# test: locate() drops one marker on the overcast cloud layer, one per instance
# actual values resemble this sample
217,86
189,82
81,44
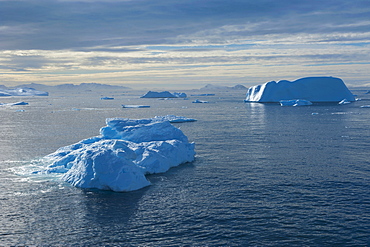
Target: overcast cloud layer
183,43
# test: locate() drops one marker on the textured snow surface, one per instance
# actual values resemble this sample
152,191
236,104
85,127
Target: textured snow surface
122,155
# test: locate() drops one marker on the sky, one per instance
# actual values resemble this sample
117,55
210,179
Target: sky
183,43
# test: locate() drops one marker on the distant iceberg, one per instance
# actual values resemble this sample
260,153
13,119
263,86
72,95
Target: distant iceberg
16,103
22,92
135,106
313,89
120,157
199,101
164,94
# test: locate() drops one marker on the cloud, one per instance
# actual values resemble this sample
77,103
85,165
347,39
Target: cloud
165,37
76,24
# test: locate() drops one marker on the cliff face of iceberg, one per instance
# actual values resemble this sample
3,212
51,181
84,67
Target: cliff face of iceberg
313,89
122,155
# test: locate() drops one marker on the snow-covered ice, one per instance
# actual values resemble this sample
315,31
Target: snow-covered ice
344,102
179,95
314,89
173,119
164,94
120,157
22,92
16,103
199,101
297,102
135,106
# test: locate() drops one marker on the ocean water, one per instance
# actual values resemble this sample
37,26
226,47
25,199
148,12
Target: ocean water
264,175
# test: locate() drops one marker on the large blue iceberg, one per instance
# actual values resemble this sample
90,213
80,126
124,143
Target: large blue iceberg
313,89
120,157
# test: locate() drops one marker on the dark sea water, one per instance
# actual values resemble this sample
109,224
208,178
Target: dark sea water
264,175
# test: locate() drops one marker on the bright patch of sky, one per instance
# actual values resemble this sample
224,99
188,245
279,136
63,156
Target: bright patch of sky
187,43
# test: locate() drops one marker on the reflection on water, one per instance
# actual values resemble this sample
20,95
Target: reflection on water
263,175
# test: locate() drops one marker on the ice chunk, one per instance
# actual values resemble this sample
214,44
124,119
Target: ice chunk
16,103
122,155
199,101
314,89
22,92
344,102
107,98
173,119
135,106
296,102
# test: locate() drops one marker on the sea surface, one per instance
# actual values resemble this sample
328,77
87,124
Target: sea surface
264,175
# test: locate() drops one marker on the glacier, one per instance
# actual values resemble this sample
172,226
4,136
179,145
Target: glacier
312,89
125,151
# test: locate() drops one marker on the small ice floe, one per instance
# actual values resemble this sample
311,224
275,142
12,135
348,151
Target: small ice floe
16,103
295,102
173,119
199,101
107,98
365,106
135,106
344,102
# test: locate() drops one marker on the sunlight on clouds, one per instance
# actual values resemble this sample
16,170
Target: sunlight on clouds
271,57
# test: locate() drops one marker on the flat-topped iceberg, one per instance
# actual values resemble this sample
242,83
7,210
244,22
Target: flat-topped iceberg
164,94
313,89
120,157
25,91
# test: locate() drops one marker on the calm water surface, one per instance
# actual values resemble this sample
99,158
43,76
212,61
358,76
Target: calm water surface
264,175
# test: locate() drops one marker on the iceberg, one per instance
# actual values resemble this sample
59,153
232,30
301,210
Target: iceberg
164,94
313,89
199,101
16,103
180,95
173,119
22,92
135,106
107,98
119,158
